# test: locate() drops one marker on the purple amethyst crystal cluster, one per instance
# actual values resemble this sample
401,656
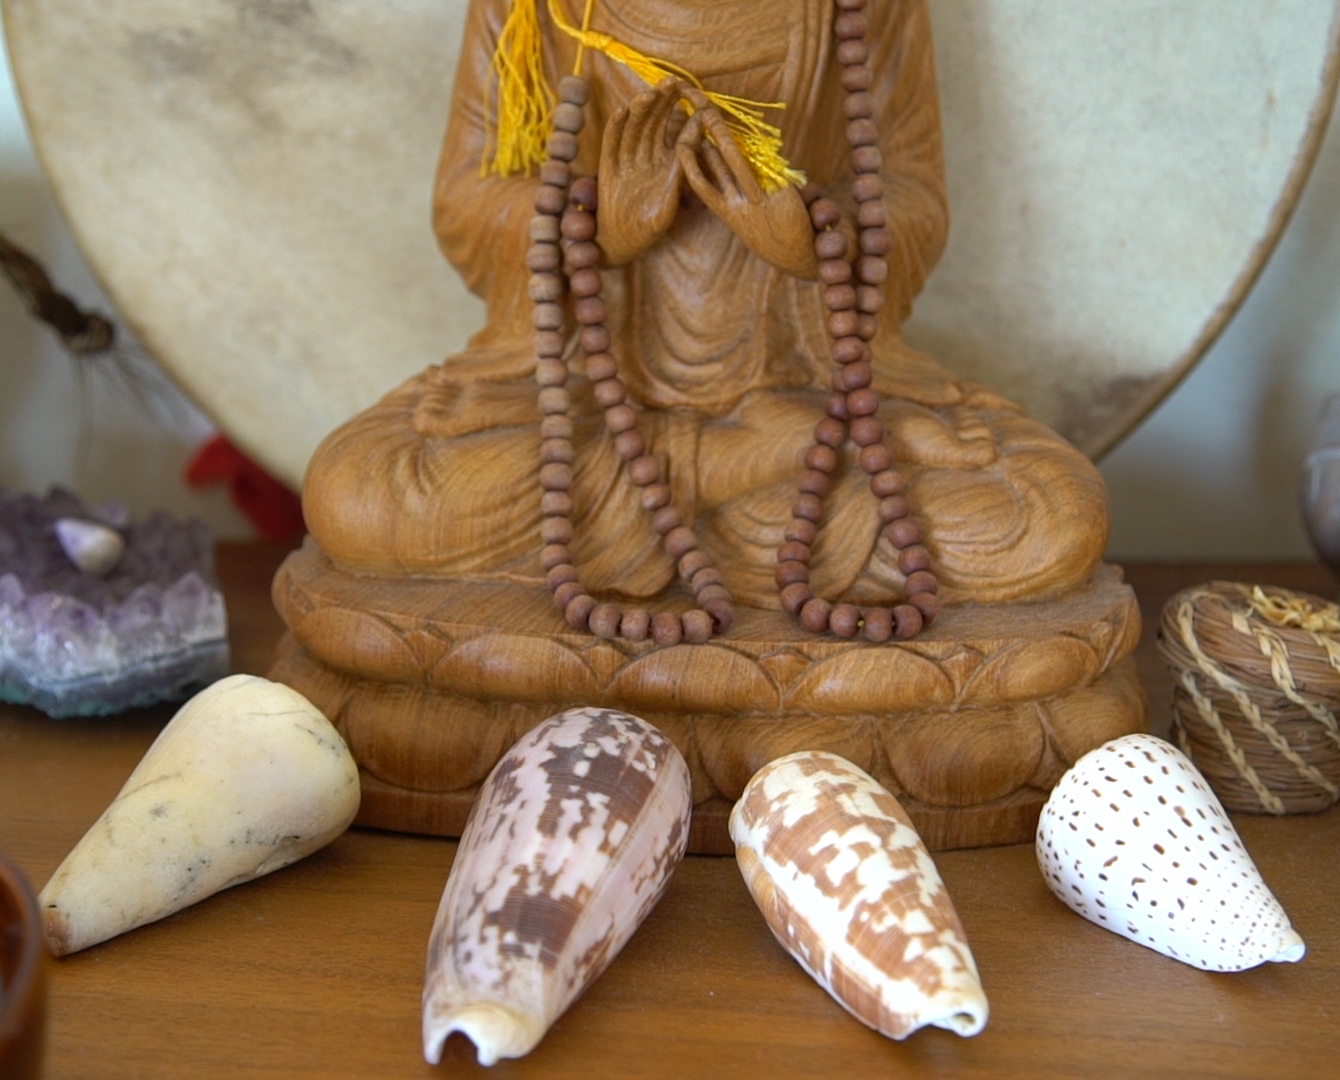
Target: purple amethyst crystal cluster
151,629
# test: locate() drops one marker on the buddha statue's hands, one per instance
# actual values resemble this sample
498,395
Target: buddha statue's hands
640,174
775,226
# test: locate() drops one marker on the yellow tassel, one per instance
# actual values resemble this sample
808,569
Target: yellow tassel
525,102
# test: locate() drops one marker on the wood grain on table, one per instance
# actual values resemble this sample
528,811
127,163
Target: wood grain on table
316,970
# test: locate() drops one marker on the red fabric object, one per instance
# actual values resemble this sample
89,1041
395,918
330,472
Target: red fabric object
273,508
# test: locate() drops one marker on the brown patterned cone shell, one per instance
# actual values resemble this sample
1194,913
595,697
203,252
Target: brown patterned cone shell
570,844
849,890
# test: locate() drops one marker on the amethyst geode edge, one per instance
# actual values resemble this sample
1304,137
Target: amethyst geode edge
152,629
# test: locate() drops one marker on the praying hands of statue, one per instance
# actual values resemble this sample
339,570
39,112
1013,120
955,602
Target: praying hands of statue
775,225
640,175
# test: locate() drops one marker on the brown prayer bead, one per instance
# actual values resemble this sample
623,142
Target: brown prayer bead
921,582
578,225
594,339
830,432
550,343
605,619
636,622
552,555
928,604
578,610
655,496
620,418
872,214
824,213
554,399
908,619
800,529
666,518
600,366
644,470
914,558
581,255
609,392
853,377
794,551
569,591
693,561
568,117
878,624
849,52
550,199
831,244
845,620
585,192
556,530
630,444
679,541
876,458
855,78
862,133
547,316
589,310
869,298
666,628
556,504
562,145
555,172
559,450
834,271
709,575
866,431
544,227
887,482
843,323
814,482
557,426
697,626
560,575
574,89
862,402
836,406
866,159
586,282
849,350
543,257
851,25
814,615
808,508
556,476
836,297
823,458
892,507
549,286
859,106
903,533
794,597
551,372
788,573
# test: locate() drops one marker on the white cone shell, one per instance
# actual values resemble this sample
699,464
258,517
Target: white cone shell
246,778
571,841
1133,839
93,547
849,890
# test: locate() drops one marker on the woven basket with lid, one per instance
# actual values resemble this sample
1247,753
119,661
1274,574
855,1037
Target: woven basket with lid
1257,693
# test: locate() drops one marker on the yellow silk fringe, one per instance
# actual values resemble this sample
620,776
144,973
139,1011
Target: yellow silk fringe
1295,611
526,103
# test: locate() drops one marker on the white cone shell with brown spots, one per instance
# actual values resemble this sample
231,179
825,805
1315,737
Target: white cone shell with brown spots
849,889
1133,839
571,842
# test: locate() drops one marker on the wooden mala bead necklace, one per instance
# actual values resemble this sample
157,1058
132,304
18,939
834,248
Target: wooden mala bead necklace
563,238
562,235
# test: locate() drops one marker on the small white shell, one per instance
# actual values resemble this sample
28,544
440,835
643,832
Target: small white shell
1133,839
571,842
245,779
93,547
849,889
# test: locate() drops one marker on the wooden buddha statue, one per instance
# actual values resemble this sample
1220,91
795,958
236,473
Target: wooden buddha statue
747,334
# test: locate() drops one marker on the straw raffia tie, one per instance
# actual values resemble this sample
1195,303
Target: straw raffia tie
1320,624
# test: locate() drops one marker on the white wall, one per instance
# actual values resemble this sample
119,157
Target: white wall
1211,474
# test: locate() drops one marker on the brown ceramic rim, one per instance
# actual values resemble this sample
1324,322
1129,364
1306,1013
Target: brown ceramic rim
16,990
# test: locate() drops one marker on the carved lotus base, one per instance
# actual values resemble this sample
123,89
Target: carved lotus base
970,725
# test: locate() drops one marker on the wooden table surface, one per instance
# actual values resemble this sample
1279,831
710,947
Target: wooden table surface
316,970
